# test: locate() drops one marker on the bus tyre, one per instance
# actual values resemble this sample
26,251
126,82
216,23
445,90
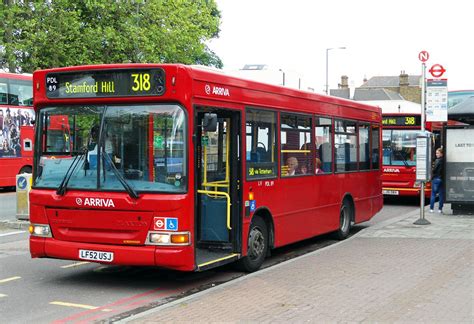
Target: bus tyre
344,221
257,246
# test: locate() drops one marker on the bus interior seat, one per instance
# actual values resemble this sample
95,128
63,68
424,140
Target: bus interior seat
386,155
325,157
262,154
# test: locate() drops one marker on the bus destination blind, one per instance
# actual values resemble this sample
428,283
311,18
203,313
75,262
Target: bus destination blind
106,83
401,120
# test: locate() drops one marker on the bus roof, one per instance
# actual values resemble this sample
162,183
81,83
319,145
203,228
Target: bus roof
220,78
22,76
216,77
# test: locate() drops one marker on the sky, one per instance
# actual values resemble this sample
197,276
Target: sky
380,37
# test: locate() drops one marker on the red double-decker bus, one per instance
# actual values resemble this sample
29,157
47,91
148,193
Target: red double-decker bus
16,126
184,168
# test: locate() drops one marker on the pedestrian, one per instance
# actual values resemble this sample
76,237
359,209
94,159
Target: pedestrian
437,181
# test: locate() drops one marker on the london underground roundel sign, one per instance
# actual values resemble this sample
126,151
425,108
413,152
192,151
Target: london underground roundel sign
437,70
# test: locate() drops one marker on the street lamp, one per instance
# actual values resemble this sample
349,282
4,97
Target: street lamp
283,75
327,66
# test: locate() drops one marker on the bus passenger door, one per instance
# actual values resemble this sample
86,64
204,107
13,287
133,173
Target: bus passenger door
218,220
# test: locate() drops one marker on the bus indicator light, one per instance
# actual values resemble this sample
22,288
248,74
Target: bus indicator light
180,238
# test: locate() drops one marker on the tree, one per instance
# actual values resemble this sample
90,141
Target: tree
54,33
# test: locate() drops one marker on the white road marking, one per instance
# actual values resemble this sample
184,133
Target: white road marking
78,306
3,295
77,264
9,279
12,233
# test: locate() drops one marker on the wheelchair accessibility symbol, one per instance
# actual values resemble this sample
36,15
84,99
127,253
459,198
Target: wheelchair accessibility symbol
171,224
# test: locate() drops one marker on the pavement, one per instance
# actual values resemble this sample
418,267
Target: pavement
393,272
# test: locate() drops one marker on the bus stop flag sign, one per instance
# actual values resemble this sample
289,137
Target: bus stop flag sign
436,100
437,95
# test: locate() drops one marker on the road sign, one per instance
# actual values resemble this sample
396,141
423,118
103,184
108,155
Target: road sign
423,56
437,70
21,182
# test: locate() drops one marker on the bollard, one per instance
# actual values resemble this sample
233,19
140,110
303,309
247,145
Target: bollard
23,187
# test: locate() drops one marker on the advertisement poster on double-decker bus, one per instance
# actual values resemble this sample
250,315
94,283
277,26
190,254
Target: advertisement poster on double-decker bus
460,165
12,119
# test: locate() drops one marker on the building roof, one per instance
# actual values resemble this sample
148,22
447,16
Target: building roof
361,94
396,106
341,93
391,81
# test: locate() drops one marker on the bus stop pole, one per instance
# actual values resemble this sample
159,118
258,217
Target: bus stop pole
422,220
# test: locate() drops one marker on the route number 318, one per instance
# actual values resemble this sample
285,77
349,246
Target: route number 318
409,120
141,82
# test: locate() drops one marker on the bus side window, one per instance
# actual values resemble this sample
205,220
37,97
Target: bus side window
375,148
296,147
323,138
364,154
260,143
3,94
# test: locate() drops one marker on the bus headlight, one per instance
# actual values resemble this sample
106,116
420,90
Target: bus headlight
40,230
162,238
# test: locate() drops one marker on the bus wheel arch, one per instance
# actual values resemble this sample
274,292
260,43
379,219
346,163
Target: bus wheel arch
26,169
266,215
346,217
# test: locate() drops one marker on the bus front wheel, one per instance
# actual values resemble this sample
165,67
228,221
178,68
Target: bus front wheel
344,220
257,246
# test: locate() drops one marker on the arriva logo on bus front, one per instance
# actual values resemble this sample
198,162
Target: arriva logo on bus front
390,170
95,202
219,91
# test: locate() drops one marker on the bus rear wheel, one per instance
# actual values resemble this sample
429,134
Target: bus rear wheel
257,246
345,216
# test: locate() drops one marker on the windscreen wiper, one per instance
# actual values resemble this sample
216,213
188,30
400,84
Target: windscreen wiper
404,160
131,192
101,154
70,171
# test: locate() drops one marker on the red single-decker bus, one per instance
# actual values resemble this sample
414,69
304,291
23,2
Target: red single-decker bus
185,168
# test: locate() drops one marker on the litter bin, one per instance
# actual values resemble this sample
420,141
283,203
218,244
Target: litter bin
23,187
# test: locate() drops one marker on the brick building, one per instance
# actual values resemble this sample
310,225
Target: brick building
402,87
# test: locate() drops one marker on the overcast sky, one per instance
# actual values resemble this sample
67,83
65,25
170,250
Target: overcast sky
381,38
